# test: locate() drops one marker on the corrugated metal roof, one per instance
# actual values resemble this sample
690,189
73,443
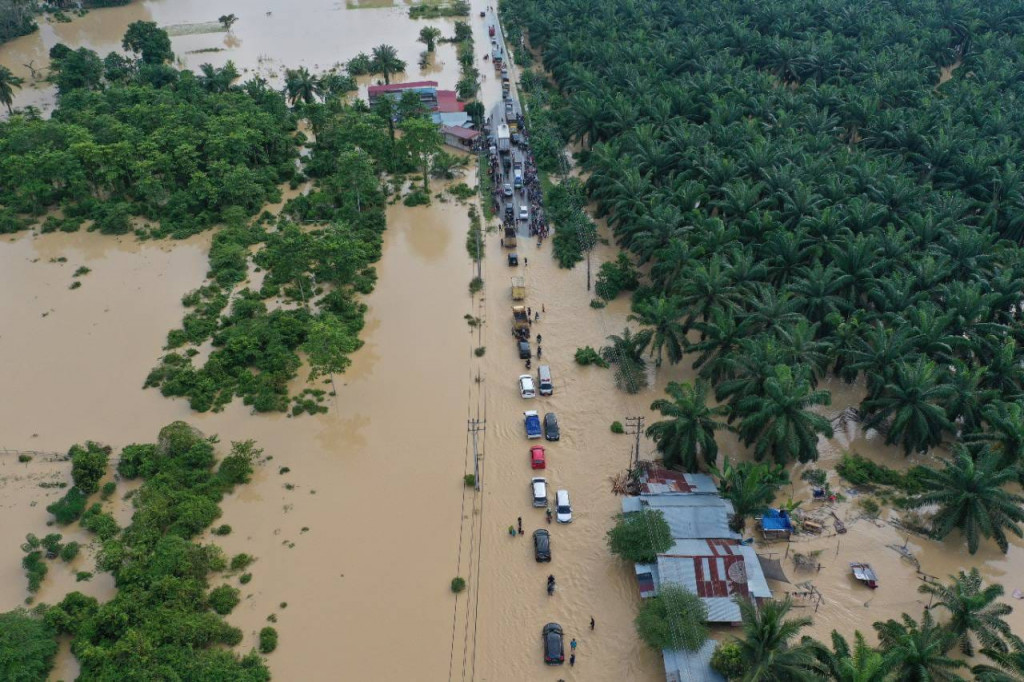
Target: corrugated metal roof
399,87
722,610
757,584
691,666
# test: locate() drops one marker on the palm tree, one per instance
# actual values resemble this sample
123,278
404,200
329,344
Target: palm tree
1005,432
8,82
750,487
767,648
626,353
301,85
779,421
662,316
913,401
861,663
386,62
917,653
970,495
429,36
1011,666
974,612
690,433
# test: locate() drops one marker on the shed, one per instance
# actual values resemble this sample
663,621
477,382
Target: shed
460,138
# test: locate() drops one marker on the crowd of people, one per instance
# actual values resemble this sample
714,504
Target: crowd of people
500,171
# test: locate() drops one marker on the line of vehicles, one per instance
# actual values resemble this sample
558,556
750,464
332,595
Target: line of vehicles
552,634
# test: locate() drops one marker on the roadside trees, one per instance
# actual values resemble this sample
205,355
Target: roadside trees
640,536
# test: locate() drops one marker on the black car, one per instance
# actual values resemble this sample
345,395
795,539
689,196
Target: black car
541,545
524,350
554,649
513,260
551,431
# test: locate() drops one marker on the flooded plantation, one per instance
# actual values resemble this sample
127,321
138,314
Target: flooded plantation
359,519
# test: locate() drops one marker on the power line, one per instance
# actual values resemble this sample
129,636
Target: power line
475,426
635,427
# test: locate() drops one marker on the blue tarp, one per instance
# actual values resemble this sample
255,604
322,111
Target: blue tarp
775,519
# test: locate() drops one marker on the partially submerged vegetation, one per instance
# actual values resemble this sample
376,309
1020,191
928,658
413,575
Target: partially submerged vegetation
806,200
162,606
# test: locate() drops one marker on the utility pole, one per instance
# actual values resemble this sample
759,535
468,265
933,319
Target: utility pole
475,426
635,427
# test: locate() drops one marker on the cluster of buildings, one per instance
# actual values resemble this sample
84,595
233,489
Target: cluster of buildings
447,111
707,558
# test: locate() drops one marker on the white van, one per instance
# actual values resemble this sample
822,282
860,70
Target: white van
563,508
544,380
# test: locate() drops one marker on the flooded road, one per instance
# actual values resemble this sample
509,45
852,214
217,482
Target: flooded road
361,537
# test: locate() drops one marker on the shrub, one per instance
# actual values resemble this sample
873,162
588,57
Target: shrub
869,506
475,285
597,303
99,522
816,477
83,576
245,578
223,599
223,529
416,198
240,561
35,569
617,427
108,489
588,356
479,352
616,277
268,640
69,508
458,584
469,480
52,544
70,551
24,459
728,662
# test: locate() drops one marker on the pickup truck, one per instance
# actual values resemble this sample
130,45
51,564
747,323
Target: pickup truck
531,420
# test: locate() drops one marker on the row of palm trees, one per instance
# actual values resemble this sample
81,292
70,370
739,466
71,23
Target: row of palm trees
909,650
808,202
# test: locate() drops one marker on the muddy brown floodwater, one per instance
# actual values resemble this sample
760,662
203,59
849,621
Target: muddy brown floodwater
362,537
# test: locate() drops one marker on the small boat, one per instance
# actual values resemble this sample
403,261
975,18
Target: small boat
864,573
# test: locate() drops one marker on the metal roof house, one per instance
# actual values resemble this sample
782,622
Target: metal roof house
460,138
427,90
691,666
689,516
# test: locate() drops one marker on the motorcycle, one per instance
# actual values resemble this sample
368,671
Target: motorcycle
551,585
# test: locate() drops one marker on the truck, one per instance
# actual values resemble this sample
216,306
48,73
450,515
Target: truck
513,125
509,240
531,420
518,288
504,138
490,30
520,320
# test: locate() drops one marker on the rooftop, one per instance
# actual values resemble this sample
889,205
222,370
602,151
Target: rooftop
657,481
399,87
448,101
461,133
691,666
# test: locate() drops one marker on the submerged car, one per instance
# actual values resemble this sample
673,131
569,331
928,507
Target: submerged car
541,545
554,648
551,430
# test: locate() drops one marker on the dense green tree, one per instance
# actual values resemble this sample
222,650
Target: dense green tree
911,403
1009,666
970,495
640,536
148,41
662,315
27,647
302,86
423,141
688,435
974,612
674,619
88,466
916,652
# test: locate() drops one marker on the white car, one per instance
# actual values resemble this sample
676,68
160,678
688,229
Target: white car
540,491
507,189
524,212
526,387
563,508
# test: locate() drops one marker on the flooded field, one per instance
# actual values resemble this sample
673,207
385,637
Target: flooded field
361,537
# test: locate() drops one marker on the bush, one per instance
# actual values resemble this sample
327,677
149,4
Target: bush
617,427
240,561
615,277
588,356
469,480
728,662
675,619
88,465
869,506
70,551
24,459
458,585
816,477
268,640
83,576
27,646
475,285
245,578
479,352
223,529
640,536
69,508
35,568
52,544
417,197
99,522
109,488
223,599
861,471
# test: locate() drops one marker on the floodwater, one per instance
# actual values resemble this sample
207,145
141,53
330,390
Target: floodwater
357,543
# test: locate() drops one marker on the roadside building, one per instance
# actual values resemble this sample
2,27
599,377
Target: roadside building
427,90
460,138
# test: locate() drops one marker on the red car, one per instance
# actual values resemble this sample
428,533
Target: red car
537,457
